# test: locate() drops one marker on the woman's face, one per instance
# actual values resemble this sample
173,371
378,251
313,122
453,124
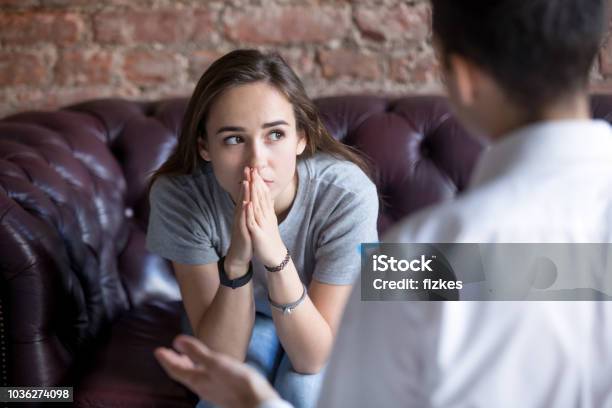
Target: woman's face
253,126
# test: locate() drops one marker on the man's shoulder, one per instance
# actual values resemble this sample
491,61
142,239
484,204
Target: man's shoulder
439,223
473,217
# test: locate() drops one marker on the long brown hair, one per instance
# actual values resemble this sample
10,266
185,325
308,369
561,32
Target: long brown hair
243,67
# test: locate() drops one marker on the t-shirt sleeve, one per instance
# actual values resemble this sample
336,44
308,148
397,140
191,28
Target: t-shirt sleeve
178,229
351,223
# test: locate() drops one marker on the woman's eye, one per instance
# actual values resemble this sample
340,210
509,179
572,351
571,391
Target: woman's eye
232,140
276,135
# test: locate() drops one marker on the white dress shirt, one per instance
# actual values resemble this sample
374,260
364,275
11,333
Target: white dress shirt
548,182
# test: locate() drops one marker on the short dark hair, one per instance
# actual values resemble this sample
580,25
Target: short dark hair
537,50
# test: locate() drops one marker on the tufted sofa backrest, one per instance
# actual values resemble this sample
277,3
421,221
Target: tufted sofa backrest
73,208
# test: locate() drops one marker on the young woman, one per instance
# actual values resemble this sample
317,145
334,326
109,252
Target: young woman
262,212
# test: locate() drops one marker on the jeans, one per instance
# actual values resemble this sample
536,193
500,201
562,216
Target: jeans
267,356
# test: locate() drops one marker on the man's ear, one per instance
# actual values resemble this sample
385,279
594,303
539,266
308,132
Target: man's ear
302,141
202,149
466,79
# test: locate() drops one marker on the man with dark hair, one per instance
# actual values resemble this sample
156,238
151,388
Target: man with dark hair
537,52
516,72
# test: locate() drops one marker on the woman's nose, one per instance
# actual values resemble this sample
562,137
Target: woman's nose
257,156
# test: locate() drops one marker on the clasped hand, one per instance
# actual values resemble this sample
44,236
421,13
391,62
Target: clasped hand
255,226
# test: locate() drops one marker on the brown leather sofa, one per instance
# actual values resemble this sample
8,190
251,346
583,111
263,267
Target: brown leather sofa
82,303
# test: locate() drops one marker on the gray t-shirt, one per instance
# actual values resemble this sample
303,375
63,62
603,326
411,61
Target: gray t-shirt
335,210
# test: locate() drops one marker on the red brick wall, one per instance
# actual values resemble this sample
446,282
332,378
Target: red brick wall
55,52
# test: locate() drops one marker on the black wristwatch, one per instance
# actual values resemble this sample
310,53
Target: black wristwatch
233,283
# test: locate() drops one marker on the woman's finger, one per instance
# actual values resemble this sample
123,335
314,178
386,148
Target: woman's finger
267,198
242,221
247,191
257,204
250,220
261,193
261,186
247,182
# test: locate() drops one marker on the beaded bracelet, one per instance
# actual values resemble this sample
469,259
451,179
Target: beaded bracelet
280,266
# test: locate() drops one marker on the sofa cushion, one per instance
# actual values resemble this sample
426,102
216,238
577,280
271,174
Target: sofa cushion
123,371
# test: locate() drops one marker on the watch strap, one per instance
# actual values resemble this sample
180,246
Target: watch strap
233,283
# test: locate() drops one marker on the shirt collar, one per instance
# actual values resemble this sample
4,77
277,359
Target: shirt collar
545,145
